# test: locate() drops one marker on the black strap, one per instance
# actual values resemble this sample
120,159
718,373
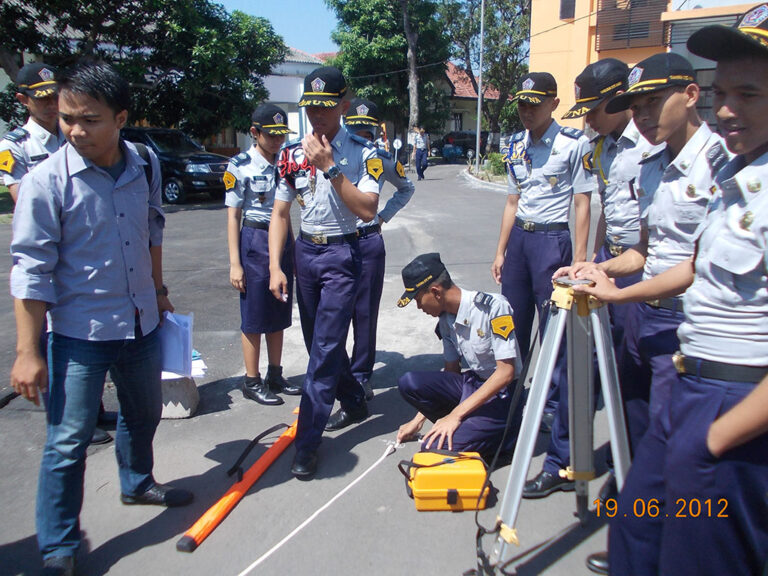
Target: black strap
236,466
144,153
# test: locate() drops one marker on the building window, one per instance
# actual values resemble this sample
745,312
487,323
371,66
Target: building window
567,9
629,24
457,123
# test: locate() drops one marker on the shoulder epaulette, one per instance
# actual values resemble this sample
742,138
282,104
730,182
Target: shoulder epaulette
360,140
595,138
517,136
291,143
481,298
381,153
716,157
17,135
437,331
653,156
571,132
241,159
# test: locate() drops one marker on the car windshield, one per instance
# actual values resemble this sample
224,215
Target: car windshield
176,142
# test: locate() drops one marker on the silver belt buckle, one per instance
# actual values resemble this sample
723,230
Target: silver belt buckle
615,249
319,239
529,226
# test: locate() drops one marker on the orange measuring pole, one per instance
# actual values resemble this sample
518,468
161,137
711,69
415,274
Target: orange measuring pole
208,522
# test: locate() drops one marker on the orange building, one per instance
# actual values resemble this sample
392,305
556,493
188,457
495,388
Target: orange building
567,35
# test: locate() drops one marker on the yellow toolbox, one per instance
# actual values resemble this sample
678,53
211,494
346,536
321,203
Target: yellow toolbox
443,480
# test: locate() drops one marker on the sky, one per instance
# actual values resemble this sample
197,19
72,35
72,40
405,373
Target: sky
310,32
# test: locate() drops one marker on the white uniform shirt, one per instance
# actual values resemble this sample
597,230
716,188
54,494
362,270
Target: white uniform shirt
322,209
251,185
674,195
726,308
24,148
481,332
547,173
617,166
394,173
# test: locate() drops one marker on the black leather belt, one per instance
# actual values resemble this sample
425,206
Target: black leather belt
364,231
529,226
256,224
673,304
323,239
718,370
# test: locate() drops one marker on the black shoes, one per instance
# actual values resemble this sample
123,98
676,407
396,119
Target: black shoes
544,484
304,464
609,490
598,562
547,419
59,566
258,391
342,418
160,495
100,436
277,383
368,390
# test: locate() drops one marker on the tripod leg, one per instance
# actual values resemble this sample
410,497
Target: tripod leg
580,406
529,429
609,376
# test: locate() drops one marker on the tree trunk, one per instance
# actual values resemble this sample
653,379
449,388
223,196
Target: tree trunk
8,63
411,37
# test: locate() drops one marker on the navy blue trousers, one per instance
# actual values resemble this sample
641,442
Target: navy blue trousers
421,161
713,512
365,317
435,394
559,450
326,283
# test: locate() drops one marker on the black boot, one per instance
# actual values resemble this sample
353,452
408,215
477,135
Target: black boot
277,383
255,389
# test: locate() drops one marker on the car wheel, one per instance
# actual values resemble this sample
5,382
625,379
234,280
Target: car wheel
173,191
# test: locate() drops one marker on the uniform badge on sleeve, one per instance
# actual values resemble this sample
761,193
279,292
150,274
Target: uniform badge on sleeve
586,162
503,326
374,167
399,169
7,161
229,180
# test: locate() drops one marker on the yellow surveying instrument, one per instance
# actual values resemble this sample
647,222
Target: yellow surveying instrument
588,330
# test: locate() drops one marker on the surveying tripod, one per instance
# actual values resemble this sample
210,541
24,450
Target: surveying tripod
586,320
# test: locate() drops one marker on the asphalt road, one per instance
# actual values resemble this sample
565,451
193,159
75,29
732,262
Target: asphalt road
371,529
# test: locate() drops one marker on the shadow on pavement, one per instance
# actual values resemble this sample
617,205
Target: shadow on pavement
21,557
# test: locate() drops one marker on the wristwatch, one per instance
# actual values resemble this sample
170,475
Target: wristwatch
162,291
333,172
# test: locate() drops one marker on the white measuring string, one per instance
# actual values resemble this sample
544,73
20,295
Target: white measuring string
390,449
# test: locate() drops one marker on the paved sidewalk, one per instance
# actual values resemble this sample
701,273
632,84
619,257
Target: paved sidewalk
372,529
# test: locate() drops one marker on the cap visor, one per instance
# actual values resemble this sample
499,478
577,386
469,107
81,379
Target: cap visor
582,108
718,42
322,102
405,299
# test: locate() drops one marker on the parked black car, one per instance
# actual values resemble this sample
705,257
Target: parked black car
186,167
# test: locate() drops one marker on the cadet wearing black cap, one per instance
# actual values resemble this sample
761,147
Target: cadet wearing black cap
23,148
707,461
468,410
363,119
250,184
673,190
547,168
335,177
618,150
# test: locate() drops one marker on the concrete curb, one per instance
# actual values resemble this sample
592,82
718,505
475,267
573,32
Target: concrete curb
476,182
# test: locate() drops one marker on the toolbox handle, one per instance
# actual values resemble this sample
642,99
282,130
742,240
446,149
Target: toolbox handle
405,465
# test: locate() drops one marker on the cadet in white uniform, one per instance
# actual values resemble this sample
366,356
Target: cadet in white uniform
469,410
250,194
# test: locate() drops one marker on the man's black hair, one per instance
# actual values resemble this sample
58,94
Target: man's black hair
98,80
444,280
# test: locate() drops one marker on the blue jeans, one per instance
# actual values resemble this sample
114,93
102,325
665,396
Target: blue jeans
77,369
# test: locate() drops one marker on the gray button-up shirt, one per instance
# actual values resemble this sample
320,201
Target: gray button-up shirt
726,308
617,166
481,333
22,150
81,243
674,194
547,173
253,187
322,209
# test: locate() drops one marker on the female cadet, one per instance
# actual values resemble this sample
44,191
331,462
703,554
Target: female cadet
250,184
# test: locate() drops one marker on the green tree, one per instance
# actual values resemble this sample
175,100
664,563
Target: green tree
505,50
191,64
374,57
